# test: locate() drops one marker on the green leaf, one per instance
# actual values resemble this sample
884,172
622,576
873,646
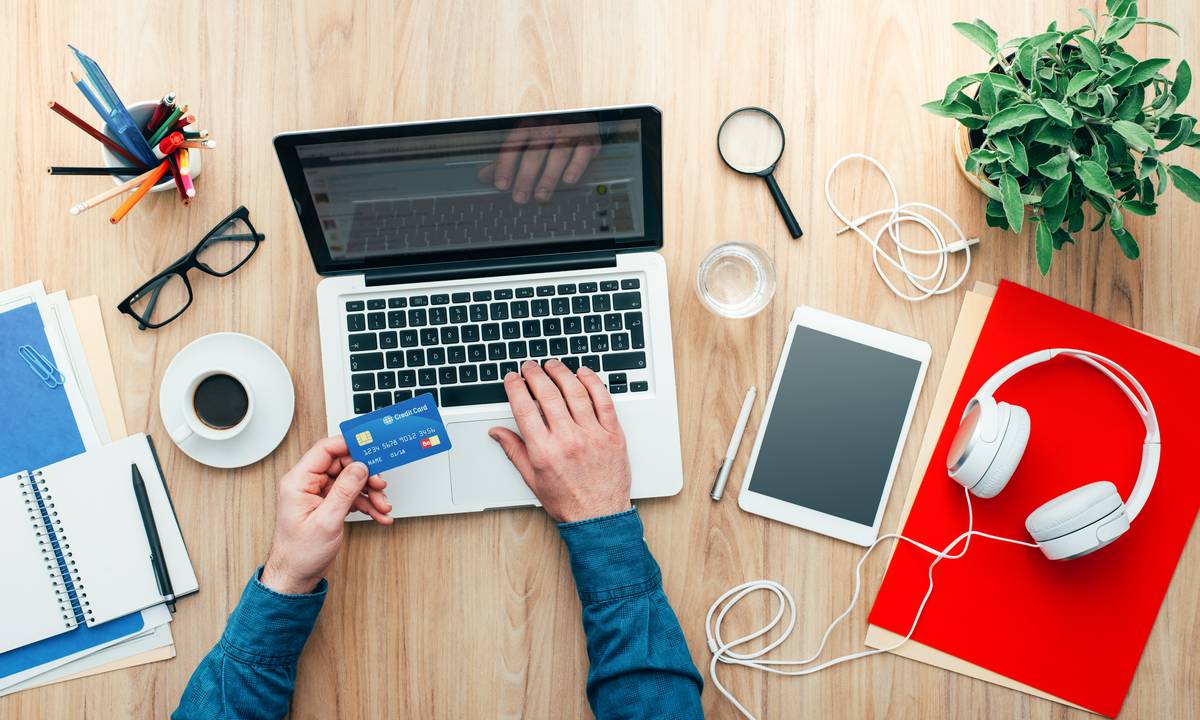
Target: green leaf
1095,177
954,110
1056,192
1089,52
1183,81
1142,72
1091,20
1184,179
1138,137
1146,166
1004,82
1054,134
1128,245
1053,216
1010,195
1116,220
1025,60
987,96
1061,114
1014,117
1020,159
984,40
1004,144
1080,81
1137,207
1056,167
1041,41
1062,237
1131,105
1185,130
1157,23
1119,29
1045,248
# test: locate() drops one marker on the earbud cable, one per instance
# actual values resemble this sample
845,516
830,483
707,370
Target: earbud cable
723,651
897,214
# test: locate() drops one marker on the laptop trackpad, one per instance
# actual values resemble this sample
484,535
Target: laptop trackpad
480,473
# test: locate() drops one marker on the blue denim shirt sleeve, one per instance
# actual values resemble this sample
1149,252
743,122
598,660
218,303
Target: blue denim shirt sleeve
251,671
640,664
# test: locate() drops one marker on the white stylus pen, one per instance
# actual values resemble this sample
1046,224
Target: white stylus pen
734,442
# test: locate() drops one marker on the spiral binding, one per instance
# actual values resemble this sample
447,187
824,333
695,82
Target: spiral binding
38,500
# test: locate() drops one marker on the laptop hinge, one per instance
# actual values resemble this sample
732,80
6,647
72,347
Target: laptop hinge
433,272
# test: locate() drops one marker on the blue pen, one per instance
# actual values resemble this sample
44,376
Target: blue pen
118,118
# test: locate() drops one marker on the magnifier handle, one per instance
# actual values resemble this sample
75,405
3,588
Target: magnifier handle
784,209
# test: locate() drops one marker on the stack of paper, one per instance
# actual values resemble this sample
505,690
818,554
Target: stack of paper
74,332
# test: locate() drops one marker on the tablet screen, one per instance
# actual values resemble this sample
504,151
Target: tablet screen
835,424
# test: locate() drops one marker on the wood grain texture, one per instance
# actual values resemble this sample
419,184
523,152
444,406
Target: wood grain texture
476,616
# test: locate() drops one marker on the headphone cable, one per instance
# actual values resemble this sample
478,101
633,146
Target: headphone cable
723,651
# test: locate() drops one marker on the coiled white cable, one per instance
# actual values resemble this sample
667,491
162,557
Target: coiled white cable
898,214
723,650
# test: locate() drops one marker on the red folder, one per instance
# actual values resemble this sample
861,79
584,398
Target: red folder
1074,628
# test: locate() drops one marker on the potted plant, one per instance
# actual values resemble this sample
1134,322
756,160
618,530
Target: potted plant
1066,120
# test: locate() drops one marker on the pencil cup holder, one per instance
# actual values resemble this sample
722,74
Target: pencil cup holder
141,113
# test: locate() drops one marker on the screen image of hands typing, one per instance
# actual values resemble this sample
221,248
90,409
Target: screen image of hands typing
648,360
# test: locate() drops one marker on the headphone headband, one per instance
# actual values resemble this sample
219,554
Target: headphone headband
1133,391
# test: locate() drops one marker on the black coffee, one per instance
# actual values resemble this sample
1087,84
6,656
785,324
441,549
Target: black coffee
220,401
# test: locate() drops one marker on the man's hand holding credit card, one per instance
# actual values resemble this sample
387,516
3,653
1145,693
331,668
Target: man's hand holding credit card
397,435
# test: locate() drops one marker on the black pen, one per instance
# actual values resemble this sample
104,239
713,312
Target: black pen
157,561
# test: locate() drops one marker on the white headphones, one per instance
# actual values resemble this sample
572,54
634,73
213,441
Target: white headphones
991,439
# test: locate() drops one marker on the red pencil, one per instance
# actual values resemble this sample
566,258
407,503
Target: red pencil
178,180
104,139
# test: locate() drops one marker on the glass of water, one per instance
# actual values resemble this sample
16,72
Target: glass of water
736,280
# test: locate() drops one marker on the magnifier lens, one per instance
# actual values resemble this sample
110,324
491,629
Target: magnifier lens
750,141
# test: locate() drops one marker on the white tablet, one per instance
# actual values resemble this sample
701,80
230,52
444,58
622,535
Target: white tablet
834,426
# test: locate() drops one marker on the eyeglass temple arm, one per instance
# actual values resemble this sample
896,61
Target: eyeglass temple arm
150,306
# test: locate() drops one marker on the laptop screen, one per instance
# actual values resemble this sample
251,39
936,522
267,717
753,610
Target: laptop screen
531,184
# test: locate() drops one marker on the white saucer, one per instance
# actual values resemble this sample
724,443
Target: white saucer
269,381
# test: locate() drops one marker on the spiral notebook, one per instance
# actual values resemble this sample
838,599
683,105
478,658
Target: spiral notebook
73,546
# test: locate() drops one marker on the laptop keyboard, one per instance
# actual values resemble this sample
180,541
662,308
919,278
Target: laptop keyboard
459,345
381,226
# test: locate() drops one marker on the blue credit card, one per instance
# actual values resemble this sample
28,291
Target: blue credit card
397,435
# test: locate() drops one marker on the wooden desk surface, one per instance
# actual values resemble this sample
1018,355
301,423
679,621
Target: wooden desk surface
476,616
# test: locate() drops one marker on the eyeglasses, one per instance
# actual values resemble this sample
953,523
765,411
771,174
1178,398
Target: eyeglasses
223,250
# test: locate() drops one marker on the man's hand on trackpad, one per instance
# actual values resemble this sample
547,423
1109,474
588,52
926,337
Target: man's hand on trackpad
571,452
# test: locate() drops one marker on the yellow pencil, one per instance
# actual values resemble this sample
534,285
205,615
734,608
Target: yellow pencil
111,193
144,188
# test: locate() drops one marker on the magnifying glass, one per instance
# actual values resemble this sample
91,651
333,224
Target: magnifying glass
750,141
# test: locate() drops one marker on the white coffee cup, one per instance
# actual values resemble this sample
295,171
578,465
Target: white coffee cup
194,425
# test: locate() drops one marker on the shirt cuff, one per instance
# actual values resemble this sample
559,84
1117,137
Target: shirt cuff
270,628
609,557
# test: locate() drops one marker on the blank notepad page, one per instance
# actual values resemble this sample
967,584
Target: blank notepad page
29,609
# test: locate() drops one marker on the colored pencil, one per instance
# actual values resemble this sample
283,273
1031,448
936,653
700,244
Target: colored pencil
89,96
185,120
152,180
73,170
195,135
104,139
185,172
200,144
166,125
112,192
178,178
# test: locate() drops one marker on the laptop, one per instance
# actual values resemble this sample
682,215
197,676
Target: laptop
441,277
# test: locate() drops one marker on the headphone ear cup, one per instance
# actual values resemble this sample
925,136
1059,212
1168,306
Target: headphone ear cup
1014,438
1079,521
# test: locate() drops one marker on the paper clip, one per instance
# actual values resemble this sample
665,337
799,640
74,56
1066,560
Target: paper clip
43,368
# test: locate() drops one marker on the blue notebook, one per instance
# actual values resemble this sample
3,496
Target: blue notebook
38,428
